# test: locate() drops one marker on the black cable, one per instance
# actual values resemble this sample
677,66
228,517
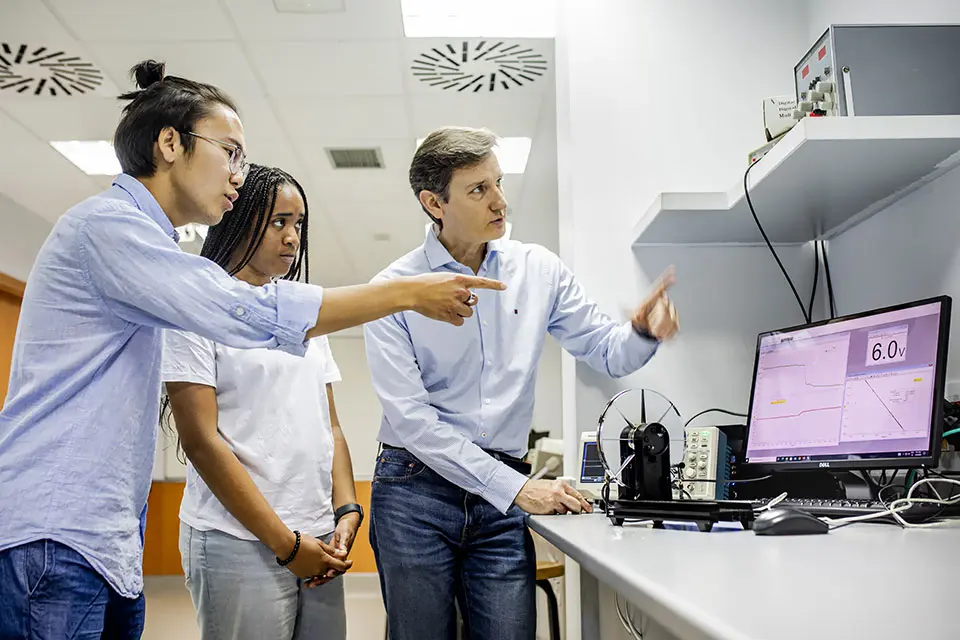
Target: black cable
946,473
706,411
746,192
816,278
871,485
826,272
680,466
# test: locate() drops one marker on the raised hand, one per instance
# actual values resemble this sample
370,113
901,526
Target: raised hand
656,315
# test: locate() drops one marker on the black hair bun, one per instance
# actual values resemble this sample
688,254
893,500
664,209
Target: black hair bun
148,72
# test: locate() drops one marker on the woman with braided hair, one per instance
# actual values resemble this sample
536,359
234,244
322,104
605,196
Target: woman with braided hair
268,467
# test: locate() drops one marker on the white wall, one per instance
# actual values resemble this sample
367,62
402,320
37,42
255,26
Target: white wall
534,215
665,95
23,235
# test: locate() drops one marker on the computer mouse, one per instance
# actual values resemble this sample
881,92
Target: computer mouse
784,521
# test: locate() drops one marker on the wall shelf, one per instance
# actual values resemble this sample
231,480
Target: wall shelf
825,176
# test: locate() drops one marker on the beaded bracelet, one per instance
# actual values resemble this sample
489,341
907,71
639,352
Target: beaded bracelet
293,554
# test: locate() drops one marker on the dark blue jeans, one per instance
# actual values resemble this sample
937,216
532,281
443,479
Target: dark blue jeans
434,543
49,592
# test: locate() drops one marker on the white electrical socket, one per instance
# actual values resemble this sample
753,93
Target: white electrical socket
953,390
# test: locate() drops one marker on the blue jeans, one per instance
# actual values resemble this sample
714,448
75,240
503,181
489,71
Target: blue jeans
434,542
49,592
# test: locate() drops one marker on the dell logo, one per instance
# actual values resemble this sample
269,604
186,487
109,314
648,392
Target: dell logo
824,465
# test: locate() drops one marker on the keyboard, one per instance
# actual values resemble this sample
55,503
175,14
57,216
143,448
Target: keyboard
847,508
824,508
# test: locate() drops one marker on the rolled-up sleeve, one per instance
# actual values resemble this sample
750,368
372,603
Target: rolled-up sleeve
407,409
592,336
144,278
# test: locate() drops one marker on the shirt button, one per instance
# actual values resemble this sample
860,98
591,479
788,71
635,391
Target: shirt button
487,401
483,435
489,363
485,323
239,312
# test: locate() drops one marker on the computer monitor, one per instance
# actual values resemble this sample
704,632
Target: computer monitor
861,392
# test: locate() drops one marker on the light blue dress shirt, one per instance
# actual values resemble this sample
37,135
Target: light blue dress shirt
449,392
79,427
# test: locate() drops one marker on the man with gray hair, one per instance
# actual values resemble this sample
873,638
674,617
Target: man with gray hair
450,493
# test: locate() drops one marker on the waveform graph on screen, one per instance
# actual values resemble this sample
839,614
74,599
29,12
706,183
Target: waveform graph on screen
798,399
891,405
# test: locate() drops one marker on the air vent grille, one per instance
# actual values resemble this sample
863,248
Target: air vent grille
42,71
355,158
483,66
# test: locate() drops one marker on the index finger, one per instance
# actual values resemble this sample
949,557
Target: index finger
584,505
571,503
339,565
476,282
666,280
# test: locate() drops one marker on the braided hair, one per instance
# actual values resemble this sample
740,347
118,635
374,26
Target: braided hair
247,223
248,220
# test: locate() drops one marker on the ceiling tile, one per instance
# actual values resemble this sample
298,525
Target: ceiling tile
267,143
329,68
329,263
505,115
219,63
91,118
370,256
309,121
144,20
258,20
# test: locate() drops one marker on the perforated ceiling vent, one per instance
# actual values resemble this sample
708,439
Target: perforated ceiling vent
355,158
484,66
42,71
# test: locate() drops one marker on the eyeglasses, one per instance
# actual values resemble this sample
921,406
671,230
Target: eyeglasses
238,158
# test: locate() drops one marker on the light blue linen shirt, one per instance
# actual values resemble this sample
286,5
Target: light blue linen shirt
79,427
449,392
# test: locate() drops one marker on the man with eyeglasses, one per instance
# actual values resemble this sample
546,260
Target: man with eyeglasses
78,430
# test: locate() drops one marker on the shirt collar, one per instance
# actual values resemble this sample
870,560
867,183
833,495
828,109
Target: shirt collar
142,199
438,256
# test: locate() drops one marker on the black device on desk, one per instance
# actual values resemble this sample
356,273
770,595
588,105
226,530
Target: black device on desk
781,521
860,392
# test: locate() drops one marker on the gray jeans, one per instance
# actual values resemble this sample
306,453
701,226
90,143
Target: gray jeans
241,593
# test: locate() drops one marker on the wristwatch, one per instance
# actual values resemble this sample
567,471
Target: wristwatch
345,509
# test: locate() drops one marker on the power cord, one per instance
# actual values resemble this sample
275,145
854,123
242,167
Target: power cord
746,192
816,277
903,504
829,278
627,620
706,411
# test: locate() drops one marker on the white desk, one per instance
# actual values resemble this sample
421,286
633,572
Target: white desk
864,581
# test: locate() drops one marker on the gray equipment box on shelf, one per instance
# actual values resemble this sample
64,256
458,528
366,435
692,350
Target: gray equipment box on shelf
881,70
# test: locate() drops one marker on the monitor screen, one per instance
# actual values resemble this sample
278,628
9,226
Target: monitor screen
863,391
591,470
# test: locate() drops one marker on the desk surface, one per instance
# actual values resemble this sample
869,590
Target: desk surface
870,581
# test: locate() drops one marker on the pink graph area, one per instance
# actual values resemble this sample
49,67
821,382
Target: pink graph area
799,393
888,406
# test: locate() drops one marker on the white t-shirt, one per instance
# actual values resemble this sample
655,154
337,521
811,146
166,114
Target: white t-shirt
273,413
